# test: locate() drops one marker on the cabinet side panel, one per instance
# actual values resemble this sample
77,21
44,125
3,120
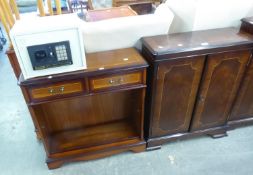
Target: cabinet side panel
150,91
14,62
218,88
177,85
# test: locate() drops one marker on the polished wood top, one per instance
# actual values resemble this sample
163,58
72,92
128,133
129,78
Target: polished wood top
98,63
197,41
114,12
114,59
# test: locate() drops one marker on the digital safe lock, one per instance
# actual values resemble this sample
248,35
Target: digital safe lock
48,47
50,55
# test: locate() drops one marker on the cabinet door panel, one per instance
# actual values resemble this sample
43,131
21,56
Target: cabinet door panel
243,107
220,82
176,88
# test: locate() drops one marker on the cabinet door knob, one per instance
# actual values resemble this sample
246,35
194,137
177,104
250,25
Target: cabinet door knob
201,99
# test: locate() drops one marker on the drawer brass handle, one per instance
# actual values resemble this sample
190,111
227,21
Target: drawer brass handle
51,91
61,89
111,81
117,82
121,80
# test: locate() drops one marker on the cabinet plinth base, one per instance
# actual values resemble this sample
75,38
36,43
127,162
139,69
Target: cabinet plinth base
54,163
156,143
218,134
240,123
153,148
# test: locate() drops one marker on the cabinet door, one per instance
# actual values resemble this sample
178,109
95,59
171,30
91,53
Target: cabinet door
176,87
221,79
243,107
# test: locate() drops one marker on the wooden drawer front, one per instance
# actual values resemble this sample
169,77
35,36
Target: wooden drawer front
116,80
54,90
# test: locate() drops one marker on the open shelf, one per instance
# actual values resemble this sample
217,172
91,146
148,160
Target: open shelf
92,136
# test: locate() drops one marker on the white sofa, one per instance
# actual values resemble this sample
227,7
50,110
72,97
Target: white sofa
191,15
125,32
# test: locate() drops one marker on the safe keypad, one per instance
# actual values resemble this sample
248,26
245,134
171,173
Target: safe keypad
61,52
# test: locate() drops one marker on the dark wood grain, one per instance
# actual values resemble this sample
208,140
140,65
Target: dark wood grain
243,107
241,113
219,85
171,113
197,42
157,142
177,84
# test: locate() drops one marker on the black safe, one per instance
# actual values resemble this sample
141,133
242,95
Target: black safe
50,55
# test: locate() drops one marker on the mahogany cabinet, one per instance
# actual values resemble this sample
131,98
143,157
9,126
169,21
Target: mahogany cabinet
91,113
194,78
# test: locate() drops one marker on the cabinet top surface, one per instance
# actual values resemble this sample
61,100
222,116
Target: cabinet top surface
114,59
196,40
99,63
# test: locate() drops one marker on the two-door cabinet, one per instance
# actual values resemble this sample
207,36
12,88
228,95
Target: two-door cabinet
194,78
91,113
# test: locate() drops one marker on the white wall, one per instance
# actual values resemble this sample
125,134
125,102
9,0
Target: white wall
193,15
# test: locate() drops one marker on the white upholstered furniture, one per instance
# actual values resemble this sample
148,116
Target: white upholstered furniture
192,15
125,32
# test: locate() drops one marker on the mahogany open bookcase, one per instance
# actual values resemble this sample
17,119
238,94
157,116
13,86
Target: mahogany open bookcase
90,113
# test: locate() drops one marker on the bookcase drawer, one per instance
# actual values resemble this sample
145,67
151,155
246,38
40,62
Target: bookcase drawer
56,90
116,80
